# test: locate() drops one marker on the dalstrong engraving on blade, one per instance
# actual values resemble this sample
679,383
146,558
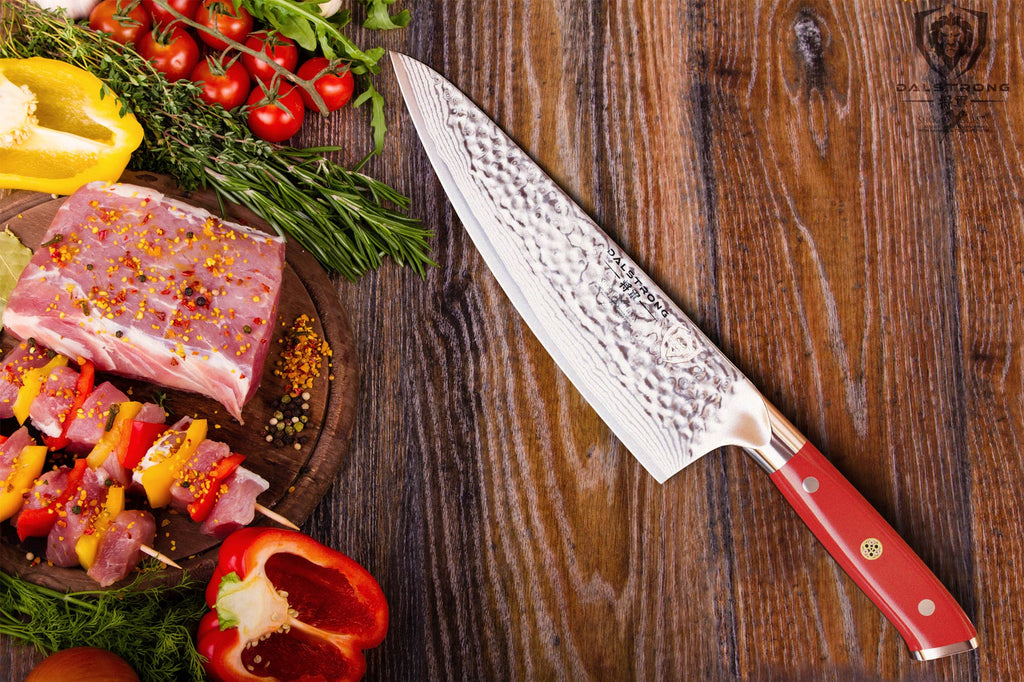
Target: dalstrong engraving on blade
664,389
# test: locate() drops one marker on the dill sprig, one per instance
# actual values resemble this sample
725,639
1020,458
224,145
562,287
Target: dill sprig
349,221
147,623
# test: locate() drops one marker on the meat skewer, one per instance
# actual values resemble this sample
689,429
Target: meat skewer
79,510
74,414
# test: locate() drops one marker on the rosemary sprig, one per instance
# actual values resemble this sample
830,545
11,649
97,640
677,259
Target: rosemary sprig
349,221
147,624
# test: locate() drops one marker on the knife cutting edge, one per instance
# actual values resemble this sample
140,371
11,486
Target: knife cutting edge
667,392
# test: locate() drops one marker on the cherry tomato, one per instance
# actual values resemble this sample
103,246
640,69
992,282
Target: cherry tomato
162,17
124,20
172,51
279,119
222,16
223,82
275,47
335,85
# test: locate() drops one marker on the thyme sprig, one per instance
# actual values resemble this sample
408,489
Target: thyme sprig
148,624
349,221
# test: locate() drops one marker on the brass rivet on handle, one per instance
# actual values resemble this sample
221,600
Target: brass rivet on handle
871,549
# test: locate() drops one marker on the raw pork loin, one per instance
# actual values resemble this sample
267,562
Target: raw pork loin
153,289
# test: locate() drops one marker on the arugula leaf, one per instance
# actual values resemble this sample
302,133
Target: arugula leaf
378,17
377,121
299,20
293,26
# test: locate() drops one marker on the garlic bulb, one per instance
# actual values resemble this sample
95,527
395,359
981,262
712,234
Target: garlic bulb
76,9
330,8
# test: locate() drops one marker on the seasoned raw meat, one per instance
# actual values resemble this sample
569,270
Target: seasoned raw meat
76,516
23,357
10,449
46,488
151,288
111,468
151,413
183,492
53,404
236,505
91,418
120,549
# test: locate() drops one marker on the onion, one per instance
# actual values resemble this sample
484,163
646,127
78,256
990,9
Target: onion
83,664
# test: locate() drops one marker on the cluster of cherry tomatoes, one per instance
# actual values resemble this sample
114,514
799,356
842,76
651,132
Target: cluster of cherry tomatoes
275,108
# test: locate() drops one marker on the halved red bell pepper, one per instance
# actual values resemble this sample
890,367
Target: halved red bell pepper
84,386
209,491
37,522
136,439
287,608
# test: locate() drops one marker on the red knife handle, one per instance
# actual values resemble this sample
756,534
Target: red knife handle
878,560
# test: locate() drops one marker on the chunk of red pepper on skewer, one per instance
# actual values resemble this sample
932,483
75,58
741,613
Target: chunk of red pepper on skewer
286,607
83,388
207,496
136,439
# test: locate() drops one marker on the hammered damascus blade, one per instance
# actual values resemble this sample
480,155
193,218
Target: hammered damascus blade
662,387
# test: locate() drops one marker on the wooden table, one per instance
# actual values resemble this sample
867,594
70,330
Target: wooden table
853,247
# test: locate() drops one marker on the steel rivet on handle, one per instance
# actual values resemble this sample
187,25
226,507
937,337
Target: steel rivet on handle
811,484
926,607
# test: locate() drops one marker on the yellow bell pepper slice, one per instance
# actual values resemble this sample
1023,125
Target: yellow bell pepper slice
110,438
89,544
158,478
28,465
56,132
32,384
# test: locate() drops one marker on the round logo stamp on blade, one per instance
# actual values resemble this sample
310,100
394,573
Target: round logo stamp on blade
679,345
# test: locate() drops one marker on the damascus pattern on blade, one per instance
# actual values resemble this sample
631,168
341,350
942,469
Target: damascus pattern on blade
636,357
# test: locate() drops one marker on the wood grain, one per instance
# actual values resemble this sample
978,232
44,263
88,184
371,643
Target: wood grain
759,160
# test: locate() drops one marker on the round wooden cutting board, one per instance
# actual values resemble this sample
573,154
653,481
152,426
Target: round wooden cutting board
298,478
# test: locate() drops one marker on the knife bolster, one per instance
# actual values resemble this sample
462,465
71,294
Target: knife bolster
786,441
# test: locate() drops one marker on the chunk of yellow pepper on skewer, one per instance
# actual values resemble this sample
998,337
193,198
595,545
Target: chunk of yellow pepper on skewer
28,465
32,384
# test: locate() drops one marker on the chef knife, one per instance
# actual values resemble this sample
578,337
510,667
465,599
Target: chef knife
664,389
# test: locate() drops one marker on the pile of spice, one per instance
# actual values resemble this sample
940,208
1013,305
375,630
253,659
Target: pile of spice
302,360
303,356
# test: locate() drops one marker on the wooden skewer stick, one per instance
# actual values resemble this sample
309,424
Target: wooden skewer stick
162,558
274,516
